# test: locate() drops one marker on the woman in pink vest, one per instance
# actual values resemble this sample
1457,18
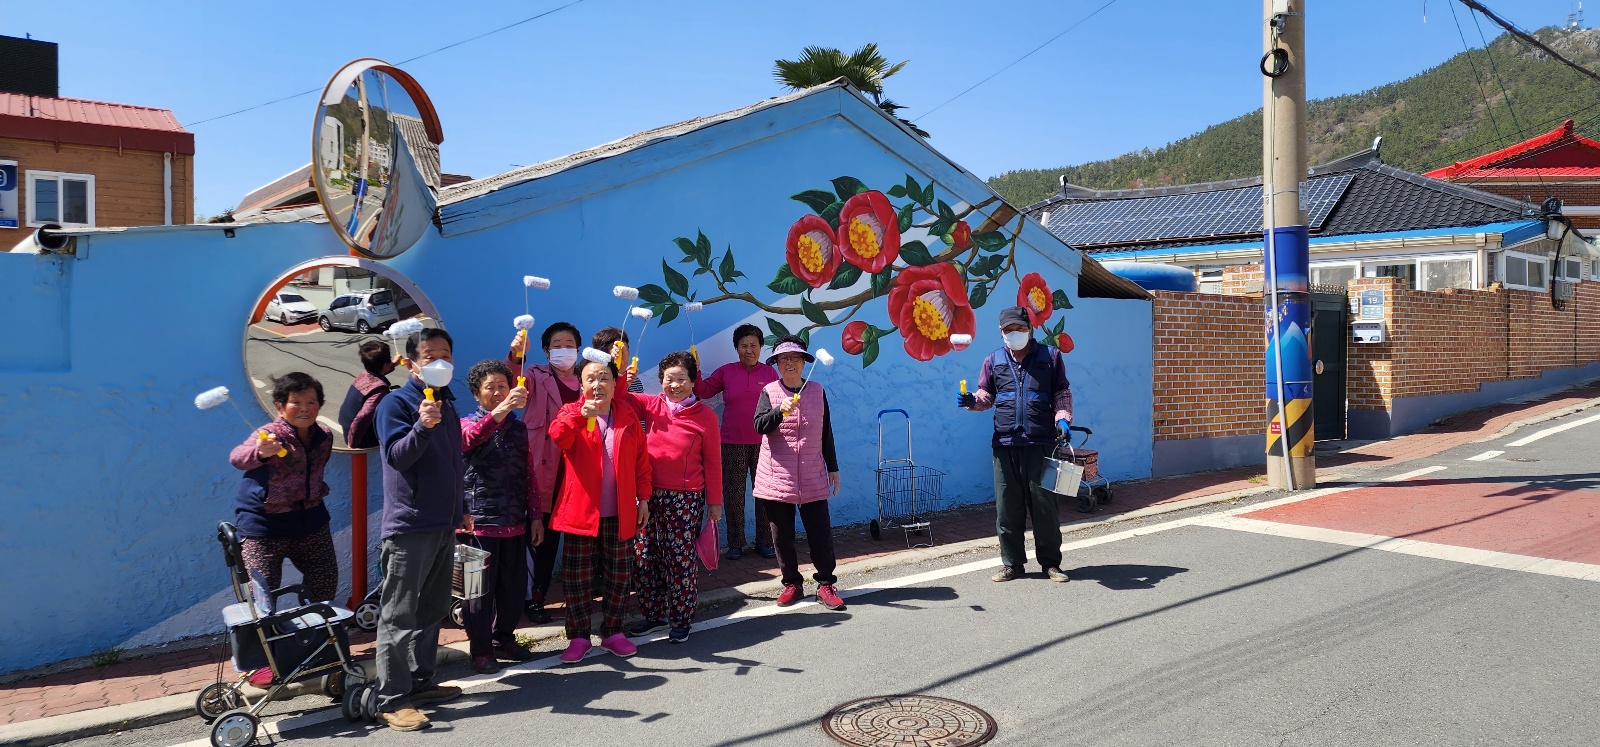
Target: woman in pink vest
797,470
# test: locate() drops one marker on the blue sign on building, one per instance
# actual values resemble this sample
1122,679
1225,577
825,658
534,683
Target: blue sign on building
8,194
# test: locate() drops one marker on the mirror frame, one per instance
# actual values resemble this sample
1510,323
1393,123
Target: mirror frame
258,310
332,94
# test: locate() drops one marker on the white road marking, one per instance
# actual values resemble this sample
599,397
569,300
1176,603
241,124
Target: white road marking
1485,456
1437,551
1524,441
1413,473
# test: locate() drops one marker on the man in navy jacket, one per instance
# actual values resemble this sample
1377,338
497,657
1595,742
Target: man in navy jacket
420,442
1026,384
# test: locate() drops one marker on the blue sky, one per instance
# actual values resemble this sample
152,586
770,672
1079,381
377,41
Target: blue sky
1139,74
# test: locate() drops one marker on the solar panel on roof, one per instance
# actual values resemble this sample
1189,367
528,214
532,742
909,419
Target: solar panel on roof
1198,215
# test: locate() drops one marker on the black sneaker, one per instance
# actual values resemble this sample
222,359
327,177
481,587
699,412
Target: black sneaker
1007,573
678,635
646,627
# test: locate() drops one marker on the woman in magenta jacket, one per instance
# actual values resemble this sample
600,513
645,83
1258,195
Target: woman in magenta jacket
740,385
686,476
798,471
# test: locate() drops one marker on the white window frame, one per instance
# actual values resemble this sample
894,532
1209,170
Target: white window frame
1531,259
57,176
1561,272
1472,272
1330,265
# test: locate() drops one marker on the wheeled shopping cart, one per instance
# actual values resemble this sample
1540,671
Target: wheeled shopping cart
907,492
1073,470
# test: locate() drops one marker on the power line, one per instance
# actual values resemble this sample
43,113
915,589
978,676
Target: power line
1529,38
1014,62
1512,109
402,62
1488,107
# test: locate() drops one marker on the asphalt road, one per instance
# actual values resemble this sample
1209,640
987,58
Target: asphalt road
1176,629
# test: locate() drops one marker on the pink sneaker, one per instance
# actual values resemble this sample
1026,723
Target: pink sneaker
618,643
576,650
261,678
789,595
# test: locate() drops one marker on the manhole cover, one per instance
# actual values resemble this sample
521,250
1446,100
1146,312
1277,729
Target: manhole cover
1521,459
907,721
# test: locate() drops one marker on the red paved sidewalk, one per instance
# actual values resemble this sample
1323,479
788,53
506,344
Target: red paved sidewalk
185,672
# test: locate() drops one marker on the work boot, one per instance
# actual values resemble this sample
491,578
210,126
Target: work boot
1007,573
405,719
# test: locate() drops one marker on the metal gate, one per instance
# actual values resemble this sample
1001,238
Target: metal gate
1328,337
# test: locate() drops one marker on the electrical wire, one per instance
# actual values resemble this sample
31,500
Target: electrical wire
1510,108
991,76
402,62
1476,79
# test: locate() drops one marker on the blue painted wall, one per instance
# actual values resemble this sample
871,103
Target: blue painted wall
114,484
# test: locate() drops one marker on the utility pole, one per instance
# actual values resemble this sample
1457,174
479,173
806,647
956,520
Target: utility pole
1290,460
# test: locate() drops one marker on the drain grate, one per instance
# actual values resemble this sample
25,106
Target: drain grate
908,721
1521,459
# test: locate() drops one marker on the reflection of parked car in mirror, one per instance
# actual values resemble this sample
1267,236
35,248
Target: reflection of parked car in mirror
362,311
289,308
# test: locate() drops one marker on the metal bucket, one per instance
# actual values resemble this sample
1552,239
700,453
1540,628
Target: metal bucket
1061,476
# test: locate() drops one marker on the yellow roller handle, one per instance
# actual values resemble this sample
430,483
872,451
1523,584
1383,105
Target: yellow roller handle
797,404
695,351
282,452
591,423
633,367
963,386
427,393
522,381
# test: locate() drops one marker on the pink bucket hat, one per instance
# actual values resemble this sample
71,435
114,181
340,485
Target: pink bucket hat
788,346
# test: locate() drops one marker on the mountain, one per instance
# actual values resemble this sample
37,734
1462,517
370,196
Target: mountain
1429,120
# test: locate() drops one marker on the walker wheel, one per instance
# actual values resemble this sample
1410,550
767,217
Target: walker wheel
333,684
214,700
350,704
366,617
369,703
458,613
1102,493
236,728
875,529
1087,503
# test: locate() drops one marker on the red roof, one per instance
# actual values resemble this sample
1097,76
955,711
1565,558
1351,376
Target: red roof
1558,153
86,122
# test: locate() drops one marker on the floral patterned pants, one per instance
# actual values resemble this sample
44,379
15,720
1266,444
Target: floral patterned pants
667,570
312,555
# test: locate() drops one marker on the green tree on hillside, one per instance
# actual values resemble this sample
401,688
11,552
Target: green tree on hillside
865,68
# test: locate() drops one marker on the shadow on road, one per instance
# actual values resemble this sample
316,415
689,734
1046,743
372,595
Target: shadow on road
1126,577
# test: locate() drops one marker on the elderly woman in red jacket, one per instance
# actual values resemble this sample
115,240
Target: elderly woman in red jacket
686,472
605,500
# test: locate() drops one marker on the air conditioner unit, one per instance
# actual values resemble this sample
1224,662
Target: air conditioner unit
1564,289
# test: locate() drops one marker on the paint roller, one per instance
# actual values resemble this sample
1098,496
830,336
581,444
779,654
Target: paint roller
822,356
689,308
640,312
590,354
215,397
523,324
960,342
398,332
619,351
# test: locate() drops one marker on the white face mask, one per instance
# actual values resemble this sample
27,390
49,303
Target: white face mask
1016,340
563,357
437,374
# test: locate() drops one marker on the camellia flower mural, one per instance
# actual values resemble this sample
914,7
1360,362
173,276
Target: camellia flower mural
858,241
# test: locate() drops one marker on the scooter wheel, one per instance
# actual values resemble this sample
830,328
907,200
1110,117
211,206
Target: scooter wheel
369,704
366,617
1102,494
875,529
214,700
1087,503
458,613
236,728
350,704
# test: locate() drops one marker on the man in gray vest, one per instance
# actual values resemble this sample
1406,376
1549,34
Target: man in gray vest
1026,384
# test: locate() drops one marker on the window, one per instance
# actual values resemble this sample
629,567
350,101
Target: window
1333,274
67,199
1525,271
1438,274
1570,270
1407,272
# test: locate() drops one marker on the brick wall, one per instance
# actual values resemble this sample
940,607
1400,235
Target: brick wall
1456,341
1209,377
1242,280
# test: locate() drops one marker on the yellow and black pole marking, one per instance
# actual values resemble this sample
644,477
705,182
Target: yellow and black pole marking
1301,435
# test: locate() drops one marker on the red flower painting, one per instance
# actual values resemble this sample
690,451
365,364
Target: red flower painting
1034,297
851,339
961,235
869,231
928,304
811,252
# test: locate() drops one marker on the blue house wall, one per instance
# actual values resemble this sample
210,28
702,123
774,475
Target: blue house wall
113,482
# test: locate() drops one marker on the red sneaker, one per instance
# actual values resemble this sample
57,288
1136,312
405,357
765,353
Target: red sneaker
828,597
789,595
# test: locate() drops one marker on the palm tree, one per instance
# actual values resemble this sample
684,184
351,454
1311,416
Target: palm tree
865,68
